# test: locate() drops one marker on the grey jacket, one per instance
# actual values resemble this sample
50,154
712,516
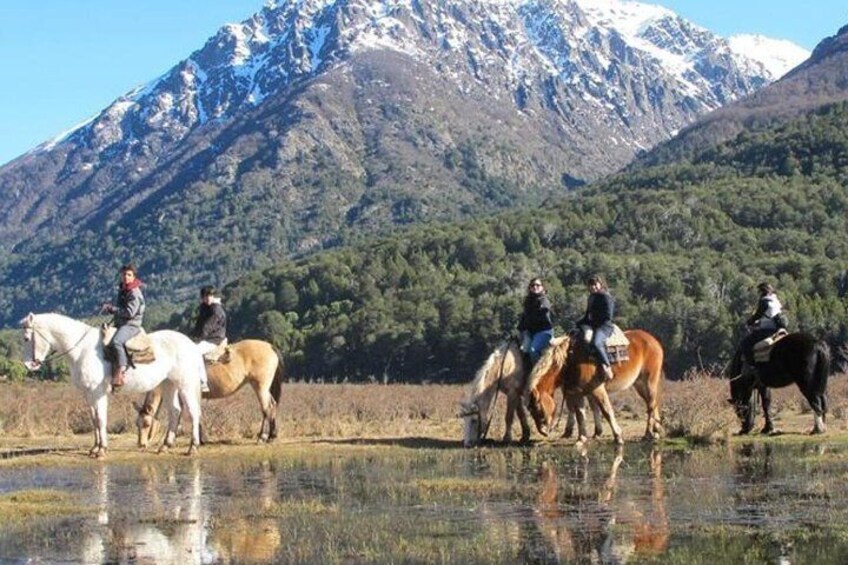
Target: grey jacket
129,307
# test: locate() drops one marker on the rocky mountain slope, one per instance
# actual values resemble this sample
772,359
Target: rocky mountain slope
318,119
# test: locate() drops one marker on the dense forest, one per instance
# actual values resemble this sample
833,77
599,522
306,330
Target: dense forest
681,245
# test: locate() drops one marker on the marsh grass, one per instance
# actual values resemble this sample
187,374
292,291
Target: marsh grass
25,505
694,408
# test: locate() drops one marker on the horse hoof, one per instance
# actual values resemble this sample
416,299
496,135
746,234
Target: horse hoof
162,450
767,431
192,450
619,440
100,454
568,432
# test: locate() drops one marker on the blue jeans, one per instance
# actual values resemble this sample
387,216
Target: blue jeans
123,335
538,342
598,345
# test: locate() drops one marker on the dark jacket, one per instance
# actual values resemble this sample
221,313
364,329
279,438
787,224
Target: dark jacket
211,323
600,308
129,307
536,316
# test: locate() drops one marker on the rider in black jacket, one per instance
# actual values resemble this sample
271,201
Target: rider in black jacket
597,320
536,324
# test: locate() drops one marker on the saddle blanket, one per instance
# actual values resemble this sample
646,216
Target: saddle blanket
139,348
762,349
617,345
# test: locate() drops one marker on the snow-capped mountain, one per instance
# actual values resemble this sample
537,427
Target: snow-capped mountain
315,116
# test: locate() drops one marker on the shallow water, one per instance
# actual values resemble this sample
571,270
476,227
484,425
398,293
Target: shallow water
761,502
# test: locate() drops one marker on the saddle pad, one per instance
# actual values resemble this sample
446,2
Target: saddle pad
216,354
762,349
617,338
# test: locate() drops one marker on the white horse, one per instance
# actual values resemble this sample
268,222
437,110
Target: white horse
178,367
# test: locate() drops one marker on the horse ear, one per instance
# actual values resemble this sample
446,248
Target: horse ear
27,321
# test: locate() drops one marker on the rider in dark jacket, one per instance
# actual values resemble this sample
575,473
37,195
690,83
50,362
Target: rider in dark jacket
764,322
536,323
597,321
127,315
211,324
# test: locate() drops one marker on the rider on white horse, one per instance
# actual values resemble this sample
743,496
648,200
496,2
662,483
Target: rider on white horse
128,313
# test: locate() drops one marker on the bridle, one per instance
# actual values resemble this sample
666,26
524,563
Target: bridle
55,354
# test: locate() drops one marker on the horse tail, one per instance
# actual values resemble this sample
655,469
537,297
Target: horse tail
277,383
822,368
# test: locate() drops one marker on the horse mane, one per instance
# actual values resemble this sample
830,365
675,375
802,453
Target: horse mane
553,356
479,384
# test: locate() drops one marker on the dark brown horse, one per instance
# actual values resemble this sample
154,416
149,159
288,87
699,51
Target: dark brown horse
250,361
798,358
569,366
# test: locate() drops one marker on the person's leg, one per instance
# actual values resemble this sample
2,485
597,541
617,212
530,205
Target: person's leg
122,336
599,347
538,343
205,347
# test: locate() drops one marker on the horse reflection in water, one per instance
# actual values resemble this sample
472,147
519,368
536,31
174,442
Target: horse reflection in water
579,521
165,518
256,539
170,525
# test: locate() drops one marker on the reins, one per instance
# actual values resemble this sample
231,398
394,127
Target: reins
497,390
56,354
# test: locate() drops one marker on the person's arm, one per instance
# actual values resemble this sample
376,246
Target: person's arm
762,305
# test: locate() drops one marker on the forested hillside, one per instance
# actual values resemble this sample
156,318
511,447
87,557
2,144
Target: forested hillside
682,245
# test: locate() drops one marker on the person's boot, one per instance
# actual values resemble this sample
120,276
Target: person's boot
204,385
605,372
118,374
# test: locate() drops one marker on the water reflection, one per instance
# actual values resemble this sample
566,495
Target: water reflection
169,522
583,518
545,504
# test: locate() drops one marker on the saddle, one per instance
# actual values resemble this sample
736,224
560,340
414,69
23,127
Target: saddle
762,349
139,347
220,354
617,345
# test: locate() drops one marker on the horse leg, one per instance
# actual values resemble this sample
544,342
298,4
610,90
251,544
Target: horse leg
511,401
575,406
569,424
765,401
653,428
99,419
596,415
191,402
524,421
601,398
819,404
269,411
172,402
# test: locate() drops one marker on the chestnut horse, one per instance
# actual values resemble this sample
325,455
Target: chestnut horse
250,361
569,365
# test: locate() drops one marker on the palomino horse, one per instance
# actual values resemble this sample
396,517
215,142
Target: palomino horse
505,370
250,361
797,358
570,366
177,367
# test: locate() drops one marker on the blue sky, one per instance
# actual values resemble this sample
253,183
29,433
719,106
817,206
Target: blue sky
65,60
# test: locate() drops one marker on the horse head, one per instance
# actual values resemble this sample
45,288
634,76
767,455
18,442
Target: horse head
472,428
35,350
146,423
543,409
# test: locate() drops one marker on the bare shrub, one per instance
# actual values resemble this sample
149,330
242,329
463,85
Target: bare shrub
696,407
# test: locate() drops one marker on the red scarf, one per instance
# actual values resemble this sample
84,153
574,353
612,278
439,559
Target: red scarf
132,286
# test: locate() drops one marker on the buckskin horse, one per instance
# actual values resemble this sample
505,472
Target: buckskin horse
797,358
178,368
250,361
569,366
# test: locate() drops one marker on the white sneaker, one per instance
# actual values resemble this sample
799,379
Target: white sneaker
204,387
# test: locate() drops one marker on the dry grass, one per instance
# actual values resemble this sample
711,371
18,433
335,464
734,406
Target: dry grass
695,408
